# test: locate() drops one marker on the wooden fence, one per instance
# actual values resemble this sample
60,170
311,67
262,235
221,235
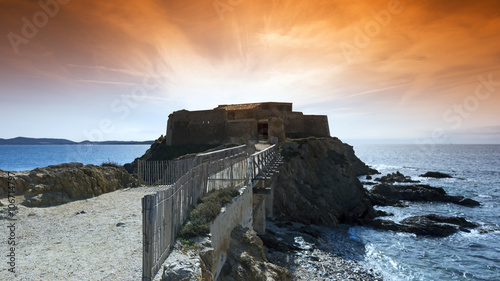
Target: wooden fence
262,163
167,210
169,171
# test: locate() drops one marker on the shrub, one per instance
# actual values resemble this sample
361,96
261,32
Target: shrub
222,196
194,229
207,211
110,163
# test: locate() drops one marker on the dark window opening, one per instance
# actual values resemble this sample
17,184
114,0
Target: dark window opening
263,129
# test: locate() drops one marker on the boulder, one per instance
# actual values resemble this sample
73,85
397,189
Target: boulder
395,177
427,225
437,175
182,264
58,184
392,195
460,221
246,259
318,184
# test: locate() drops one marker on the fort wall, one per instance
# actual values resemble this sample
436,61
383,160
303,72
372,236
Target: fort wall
230,123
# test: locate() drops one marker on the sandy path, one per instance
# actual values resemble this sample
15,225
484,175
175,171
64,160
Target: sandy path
56,243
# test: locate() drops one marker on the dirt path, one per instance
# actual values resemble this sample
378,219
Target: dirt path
262,145
102,243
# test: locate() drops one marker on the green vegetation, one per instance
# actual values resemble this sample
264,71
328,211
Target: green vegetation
206,212
221,197
190,244
110,163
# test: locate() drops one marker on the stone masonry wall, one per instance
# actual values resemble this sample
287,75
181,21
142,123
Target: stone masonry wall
239,212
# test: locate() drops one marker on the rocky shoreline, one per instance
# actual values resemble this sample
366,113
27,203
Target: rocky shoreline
309,253
287,251
398,190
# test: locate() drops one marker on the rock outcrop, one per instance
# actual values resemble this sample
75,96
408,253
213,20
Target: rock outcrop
318,183
307,251
360,168
392,195
246,259
58,184
396,177
436,175
428,225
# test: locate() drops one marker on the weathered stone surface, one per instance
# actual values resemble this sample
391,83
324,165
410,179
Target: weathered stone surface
466,201
437,175
181,265
207,256
58,184
428,225
246,259
318,183
460,221
391,195
360,168
315,258
395,177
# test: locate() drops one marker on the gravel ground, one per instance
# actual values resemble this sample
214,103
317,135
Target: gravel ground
94,239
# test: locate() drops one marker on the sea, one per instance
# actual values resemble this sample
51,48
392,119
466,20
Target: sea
28,157
461,256
398,256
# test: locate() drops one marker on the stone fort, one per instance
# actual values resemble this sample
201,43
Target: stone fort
273,121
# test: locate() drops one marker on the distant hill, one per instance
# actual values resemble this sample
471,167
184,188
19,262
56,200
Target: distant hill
21,140
48,141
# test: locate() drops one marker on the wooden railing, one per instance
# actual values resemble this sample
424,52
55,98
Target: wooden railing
261,163
167,172
165,211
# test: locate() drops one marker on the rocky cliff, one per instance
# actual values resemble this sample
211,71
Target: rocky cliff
62,183
246,259
360,168
318,183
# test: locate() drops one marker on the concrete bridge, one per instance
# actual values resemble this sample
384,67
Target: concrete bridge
253,173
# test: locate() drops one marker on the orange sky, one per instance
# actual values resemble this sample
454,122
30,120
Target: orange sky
381,70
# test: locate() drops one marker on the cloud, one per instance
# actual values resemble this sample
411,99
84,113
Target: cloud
420,63
107,82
